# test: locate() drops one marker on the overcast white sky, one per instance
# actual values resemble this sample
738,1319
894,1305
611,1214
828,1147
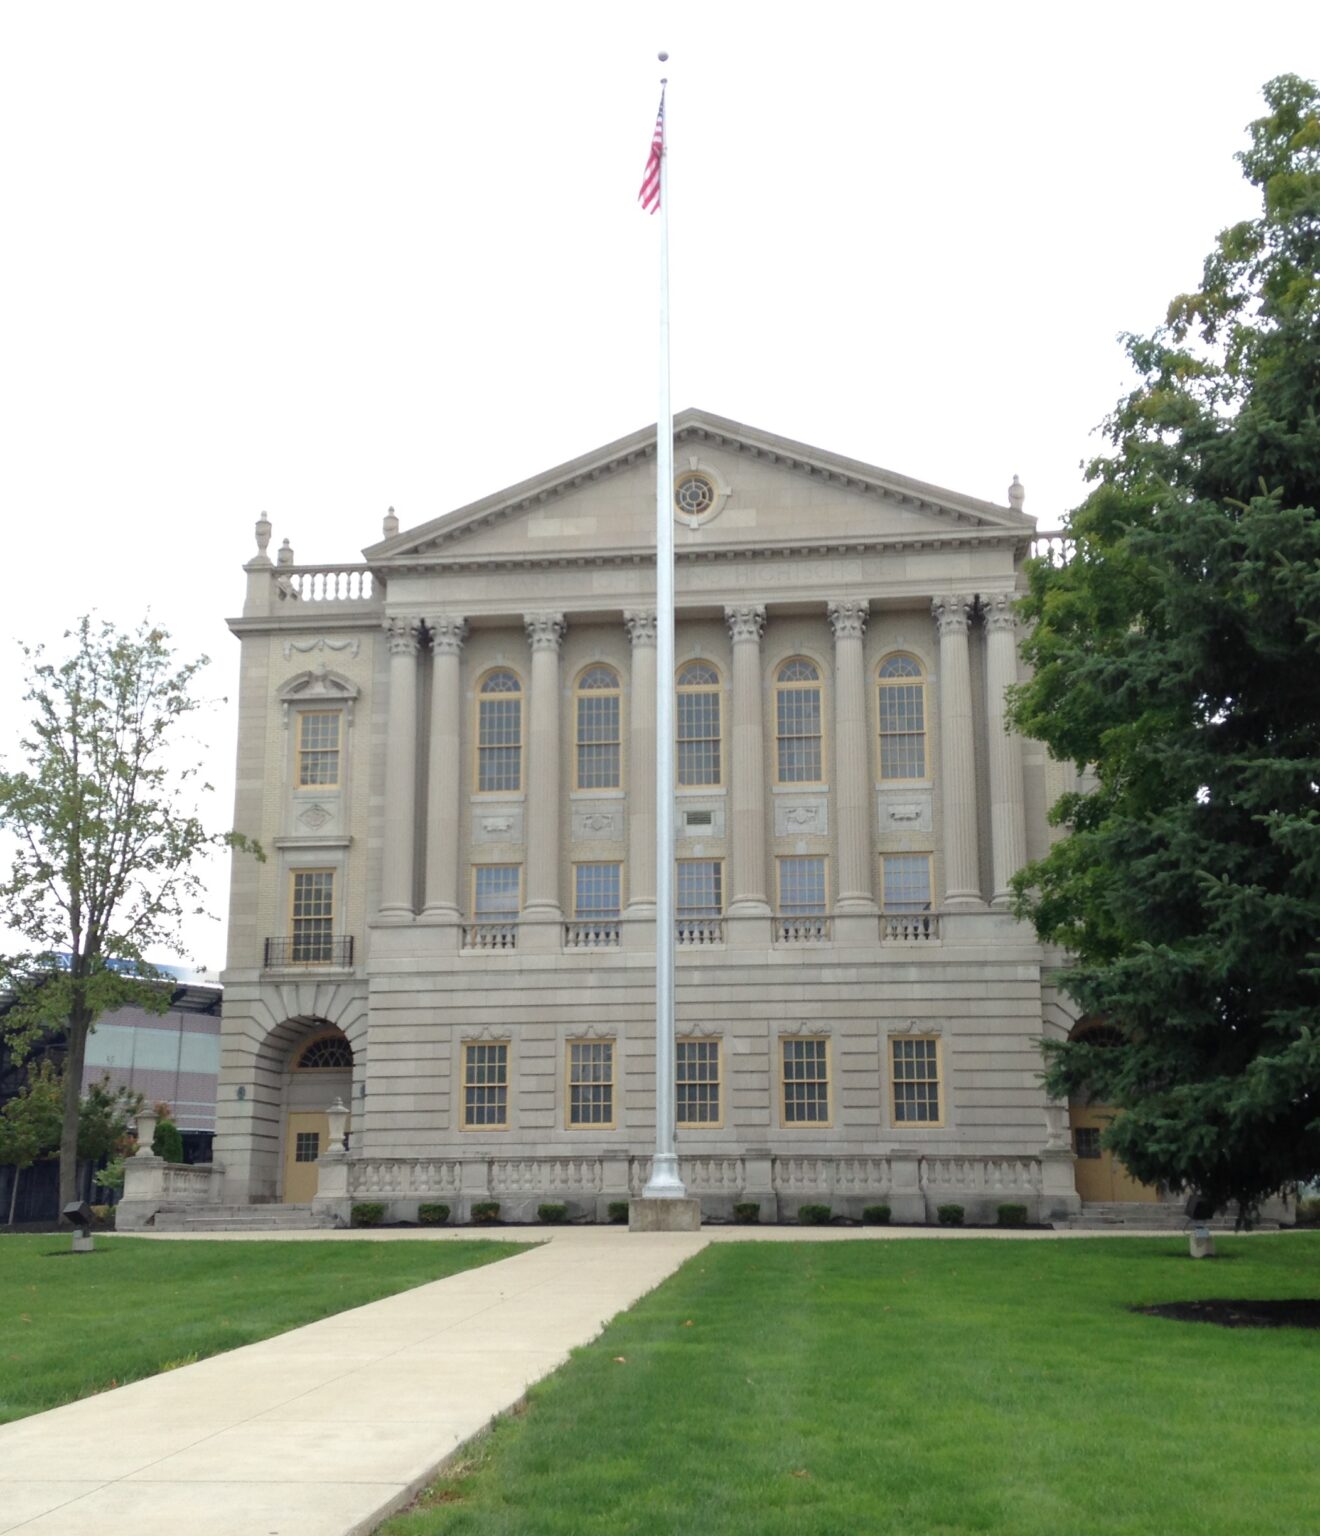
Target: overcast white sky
321,258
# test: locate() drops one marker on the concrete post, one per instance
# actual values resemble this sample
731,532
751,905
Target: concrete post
747,791
542,912
446,778
962,886
396,884
851,800
1007,809
642,788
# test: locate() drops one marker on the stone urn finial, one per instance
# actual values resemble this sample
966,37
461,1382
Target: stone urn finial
285,556
390,524
263,535
337,1115
1016,494
146,1131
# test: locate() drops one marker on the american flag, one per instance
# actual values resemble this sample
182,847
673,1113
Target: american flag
649,196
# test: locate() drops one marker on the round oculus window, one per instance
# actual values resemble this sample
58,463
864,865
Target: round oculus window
694,494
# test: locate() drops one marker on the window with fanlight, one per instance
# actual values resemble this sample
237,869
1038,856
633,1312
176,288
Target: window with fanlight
902,715
698,725
798,752
499,732
598,741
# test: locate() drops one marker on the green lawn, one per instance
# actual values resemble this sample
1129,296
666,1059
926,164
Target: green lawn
71,1325
844,1389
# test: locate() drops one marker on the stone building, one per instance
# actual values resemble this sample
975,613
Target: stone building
448,752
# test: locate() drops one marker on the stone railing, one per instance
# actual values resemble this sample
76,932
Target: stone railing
700,1175
189,1182
909,927
324,584
602,933
1056,547
490,935
803,930
818,1176
980,1175
404,1176
694,932
546,1175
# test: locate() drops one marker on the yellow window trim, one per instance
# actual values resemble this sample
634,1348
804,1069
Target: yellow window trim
881,683
472,885
782,858
521,696
799,687
916,853
296,874
785,1123
718,1042
579,693
464,1124
717,688
941,1087
593,1125
302,750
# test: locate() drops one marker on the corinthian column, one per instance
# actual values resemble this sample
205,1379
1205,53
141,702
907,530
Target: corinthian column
747,791
641,765
442,802
1007,815
396,880
962,886
851,799
545,633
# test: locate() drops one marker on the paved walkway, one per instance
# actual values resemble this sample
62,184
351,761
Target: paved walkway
325,1430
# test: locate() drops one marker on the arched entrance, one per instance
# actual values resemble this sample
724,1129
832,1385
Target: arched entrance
1099,1174
320,1071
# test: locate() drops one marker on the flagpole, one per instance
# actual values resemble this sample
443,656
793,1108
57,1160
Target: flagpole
665,1182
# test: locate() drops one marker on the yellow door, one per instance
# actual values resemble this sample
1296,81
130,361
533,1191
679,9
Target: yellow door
305,1138
1100,1175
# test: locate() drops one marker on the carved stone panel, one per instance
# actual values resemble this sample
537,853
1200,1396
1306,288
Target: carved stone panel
802,816
504,825
592,823
905,810
700,823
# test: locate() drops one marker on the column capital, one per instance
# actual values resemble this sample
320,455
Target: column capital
952,613
545,631
404,635
746,621
640,624
848,618
447,634
1000,610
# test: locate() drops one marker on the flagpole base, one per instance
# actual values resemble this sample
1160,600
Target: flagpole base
671,1214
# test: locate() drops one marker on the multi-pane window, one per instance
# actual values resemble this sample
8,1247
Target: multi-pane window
905,882
598,729
698,1082
1086,1141
496,889
318,748
802,887
916,1078
806,1080
698,718
312,915
797,722
306,1146
699,890
902,713
499,732
595,891
327,1053
486,1085
591,1082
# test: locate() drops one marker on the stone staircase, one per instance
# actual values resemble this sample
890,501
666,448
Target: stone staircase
237,1218
1144,1216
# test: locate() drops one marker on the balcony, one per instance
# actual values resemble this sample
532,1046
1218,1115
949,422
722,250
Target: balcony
491,936
802,929
909,927
698,932
595,933
299,951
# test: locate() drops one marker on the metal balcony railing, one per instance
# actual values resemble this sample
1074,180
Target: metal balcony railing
298,949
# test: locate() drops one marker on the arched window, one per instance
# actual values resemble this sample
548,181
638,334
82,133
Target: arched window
797,722
326,1053
902,716
499,732
598,728
698,718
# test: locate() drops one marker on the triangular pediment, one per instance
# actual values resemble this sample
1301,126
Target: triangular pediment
770,492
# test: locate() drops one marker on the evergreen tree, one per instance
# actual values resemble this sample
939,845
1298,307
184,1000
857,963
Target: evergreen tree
1178,655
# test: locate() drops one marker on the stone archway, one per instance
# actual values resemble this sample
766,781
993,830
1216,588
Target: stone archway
319,1071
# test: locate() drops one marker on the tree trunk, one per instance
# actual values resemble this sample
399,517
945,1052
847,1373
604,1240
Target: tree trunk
80,1023
13,1194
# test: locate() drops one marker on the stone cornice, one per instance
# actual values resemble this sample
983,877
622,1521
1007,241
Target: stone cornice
691,428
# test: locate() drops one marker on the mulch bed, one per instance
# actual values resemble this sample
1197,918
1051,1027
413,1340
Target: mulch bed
1295,1312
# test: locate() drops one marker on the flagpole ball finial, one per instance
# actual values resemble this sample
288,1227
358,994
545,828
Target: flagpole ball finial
663,57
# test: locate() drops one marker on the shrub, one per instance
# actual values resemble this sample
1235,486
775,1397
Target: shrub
814,1215
747,1213
949,1215
484,1212
370,1214
875,1215
433,1215
104,1216
167,1142
1012,1215
552,1214
1308,1211
618,1210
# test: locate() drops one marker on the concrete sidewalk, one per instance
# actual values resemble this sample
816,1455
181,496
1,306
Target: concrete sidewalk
324,1430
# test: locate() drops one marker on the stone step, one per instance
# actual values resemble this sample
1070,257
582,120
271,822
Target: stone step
236,1218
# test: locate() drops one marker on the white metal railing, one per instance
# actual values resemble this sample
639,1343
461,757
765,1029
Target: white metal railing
699,930
909,927
601,933
324,584
803,930
490,935
1056,547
